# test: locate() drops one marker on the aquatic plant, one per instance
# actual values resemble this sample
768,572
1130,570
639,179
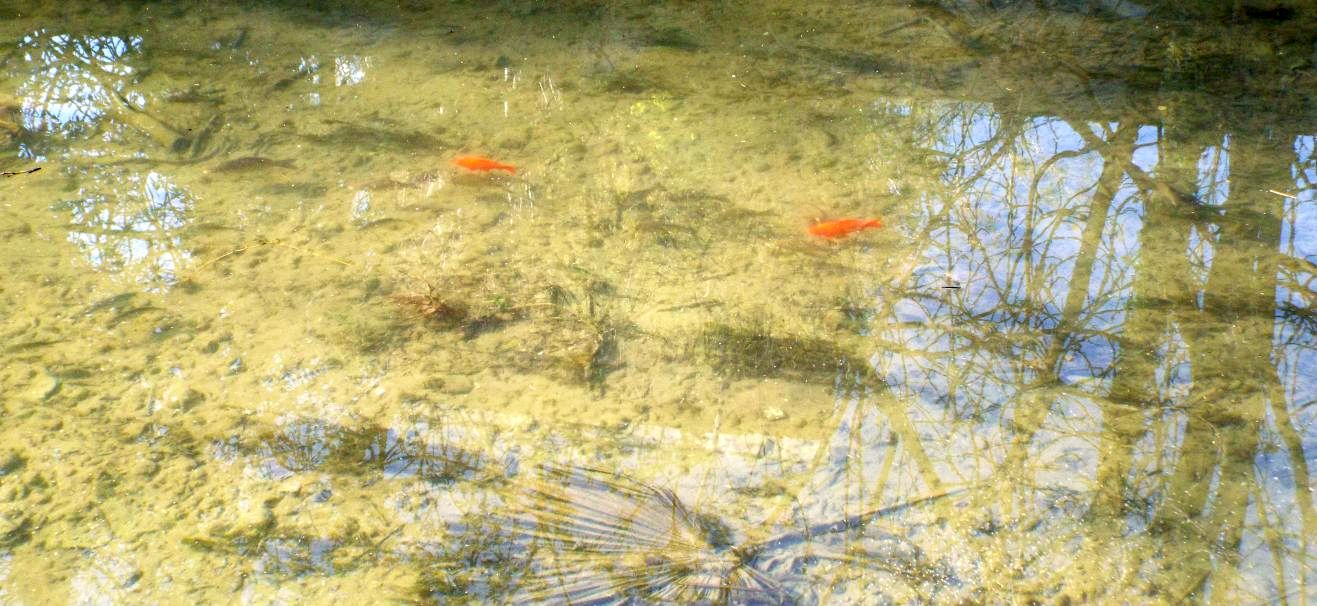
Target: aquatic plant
752,349
367,329
583,336
479,561
370,451
409,453
302,445
464,301
684,219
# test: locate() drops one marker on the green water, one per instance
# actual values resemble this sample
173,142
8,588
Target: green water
263,342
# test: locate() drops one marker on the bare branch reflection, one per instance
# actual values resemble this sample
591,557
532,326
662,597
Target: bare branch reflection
1093,315
132,226
76,79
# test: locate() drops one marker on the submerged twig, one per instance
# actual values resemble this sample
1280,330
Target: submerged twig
858,520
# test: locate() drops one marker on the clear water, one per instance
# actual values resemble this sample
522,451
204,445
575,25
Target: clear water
263,342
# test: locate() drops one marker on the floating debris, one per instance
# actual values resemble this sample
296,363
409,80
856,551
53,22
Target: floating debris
19,172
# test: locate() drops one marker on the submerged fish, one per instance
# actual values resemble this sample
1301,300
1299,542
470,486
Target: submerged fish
843,227
481,164
252,163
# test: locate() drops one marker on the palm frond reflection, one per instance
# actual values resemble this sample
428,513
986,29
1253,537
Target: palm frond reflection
596,537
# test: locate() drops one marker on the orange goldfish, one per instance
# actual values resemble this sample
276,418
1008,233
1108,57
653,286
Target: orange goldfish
481,164
841,228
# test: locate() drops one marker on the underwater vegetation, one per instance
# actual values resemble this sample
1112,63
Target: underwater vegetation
431,307
374,135
316,445
584,337
368,329
474,304
564,331
478,562
318,456
11,123
753,349
679,219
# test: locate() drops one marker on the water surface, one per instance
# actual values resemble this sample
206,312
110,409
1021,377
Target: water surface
264,343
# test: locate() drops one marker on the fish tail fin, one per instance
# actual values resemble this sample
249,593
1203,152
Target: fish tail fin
874,223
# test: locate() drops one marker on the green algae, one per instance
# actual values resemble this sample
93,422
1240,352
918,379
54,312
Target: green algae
752,348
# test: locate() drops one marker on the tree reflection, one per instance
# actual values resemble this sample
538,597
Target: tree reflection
75,79
1108,337
133,227
125,223
1102,310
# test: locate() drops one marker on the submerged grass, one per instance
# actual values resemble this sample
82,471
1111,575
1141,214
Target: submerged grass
563,330
371,451
368,329
473,304
752,348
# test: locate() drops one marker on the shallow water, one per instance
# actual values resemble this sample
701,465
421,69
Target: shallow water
264,343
